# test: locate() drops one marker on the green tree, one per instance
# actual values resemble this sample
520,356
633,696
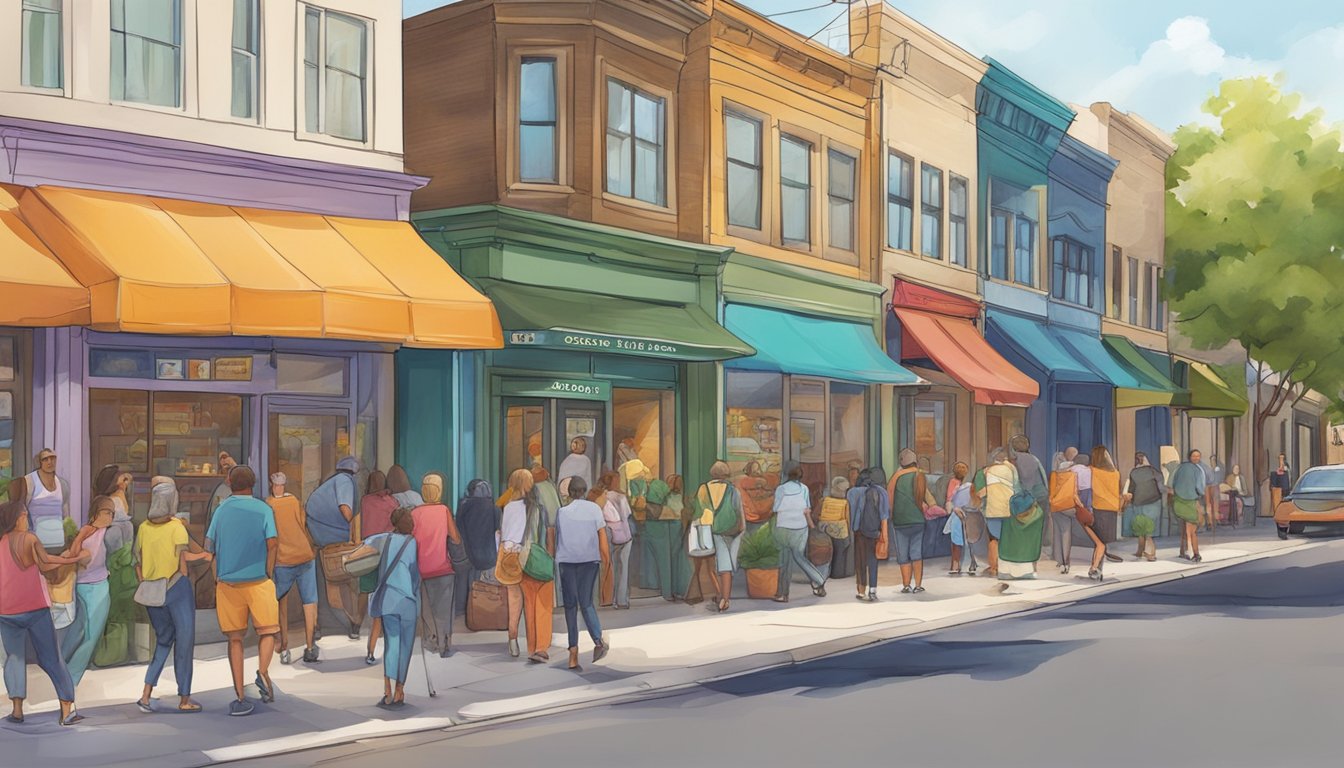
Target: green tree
1255,243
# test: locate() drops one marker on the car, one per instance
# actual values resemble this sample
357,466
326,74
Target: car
1314,505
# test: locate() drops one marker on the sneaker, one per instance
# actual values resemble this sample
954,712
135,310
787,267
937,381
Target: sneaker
285,656
310,655
240,708
905,590
872,596
370,660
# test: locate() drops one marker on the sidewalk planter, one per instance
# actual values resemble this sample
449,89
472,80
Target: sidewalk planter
759,557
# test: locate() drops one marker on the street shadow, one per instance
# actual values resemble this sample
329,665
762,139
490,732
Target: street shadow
980,660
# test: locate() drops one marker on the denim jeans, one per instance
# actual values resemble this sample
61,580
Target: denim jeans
174,625
793,549
578,581
92,602
15,632
398,643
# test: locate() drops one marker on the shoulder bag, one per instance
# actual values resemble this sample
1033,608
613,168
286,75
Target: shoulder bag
364,564
154,592
539,564
383,576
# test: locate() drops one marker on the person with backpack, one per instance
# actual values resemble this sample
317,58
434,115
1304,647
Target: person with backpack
720,500
870,508
909,491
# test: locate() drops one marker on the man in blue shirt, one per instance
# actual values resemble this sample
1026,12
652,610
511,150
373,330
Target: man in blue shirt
334,526
242,538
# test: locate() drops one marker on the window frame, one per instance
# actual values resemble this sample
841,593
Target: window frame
61,47
953,219
807,186
835,252
180,45
765,204
1133,274
894,199
300,101
1033,251
667,150
1071,259
997,214
256,117
931,212
511,114
1117,286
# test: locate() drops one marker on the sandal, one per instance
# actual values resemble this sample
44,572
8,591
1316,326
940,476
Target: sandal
723,606
145,706
383,703
190,707
957,572
10,718
72,718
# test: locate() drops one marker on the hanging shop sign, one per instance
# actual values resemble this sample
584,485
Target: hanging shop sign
564,389
597,342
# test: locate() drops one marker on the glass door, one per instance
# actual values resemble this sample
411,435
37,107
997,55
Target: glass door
525,443
580,438
305,446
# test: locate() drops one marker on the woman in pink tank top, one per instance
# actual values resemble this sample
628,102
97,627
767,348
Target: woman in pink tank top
25,612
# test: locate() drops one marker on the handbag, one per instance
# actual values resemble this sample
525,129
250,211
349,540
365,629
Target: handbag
1085,516
539,564
700,540
333,561
152,593
364,564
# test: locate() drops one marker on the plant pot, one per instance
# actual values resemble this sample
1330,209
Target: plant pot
762,583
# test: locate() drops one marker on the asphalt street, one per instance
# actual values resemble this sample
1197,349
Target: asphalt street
1238,667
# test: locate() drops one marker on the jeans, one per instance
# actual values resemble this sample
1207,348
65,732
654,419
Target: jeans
92,603
620,565
398,643
1063,546
437,596
174,625
865,562
793,549
15,632
578,594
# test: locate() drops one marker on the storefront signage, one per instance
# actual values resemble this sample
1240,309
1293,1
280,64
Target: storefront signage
595,342
564,389
233,368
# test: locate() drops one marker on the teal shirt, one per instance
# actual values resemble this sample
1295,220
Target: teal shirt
238,533
1188,481
905,509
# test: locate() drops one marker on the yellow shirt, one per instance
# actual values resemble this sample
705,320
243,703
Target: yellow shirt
157,547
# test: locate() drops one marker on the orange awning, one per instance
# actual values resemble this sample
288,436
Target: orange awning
157,265
36,288
962,353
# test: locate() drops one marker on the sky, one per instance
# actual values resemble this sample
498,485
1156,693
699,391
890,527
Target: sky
1159,58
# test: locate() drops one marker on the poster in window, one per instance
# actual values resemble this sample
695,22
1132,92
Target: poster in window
121,363
198,370
233,368
170,368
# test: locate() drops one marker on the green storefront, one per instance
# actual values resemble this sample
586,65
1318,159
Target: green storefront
610,336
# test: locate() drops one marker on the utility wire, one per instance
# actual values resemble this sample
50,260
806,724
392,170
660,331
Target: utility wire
801,10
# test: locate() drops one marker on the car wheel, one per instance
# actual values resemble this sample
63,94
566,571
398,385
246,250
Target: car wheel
1283,532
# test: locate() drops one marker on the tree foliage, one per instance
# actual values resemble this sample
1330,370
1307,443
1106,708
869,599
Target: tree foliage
1255,239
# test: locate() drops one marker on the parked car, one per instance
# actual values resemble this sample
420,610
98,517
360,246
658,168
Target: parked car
1315,505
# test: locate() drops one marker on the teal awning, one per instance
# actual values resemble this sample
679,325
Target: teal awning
787,342
1041,344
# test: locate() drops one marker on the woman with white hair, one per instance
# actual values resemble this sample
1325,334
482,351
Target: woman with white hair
434,527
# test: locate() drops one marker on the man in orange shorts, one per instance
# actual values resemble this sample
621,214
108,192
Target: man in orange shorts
242,537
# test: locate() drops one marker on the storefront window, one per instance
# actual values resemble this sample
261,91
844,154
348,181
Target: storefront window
807,428
523,436
1002,423
933,431
643,426
119,429
849,430
755,410
11,415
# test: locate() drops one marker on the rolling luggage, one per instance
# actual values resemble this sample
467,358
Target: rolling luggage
487,607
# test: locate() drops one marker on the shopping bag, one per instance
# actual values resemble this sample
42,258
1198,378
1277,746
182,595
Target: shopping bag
700,540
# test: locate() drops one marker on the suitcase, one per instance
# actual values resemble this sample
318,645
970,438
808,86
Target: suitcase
487,607
819,549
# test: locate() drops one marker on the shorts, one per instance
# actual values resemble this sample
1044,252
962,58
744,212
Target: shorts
725,552
234,602
909,543
994,525
303,576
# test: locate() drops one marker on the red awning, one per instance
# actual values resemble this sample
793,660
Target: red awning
915,296
962,353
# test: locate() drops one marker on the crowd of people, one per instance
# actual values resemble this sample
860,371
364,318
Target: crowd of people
407,561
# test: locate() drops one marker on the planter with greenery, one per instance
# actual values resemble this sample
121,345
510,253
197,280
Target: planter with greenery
758,555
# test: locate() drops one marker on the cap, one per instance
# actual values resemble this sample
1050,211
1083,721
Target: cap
906,457
279,478
44,453
348,464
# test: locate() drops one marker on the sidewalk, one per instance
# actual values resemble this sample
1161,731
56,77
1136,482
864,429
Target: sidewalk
656,647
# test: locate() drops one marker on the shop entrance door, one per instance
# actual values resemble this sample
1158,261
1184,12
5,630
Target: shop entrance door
305,445
526,423
1077,428
580,425
543,430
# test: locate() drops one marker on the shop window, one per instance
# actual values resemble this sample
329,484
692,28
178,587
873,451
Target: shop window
958,199
900,201
12,448
933,433
849,430
306,448
42,57
754,414
795,190
931,212
523,436
147,52
1002,423
636,139
841,191
335,74
643,424
119,429
310,374
744,170
807,428
246,58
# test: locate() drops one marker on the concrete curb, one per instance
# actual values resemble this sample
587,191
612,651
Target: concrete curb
672,682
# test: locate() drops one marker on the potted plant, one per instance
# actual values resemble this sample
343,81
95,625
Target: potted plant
759,557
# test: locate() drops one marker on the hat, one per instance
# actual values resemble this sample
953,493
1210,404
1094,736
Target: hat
632,469
279,478
906,457
163,500
348,464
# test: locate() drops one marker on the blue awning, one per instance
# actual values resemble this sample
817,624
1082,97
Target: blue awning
1064,354
787,342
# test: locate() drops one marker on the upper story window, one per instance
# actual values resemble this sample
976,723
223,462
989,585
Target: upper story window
1133,291
841,187
538,121
900,201
958,211
335,74
1155,314
42,65
1000,223
931,212
246,59
1117,280
795,190
147,52
1013,232
744,170
1071,271
636,143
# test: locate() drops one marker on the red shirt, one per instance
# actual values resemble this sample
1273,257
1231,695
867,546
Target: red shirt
375,513
432,525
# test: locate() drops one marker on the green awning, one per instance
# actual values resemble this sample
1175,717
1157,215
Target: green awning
787,342
537,316
1210,395
1156,387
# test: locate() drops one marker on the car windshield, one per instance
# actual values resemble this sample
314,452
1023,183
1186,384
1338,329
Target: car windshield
1321,481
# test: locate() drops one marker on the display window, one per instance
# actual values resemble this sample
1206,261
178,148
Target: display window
849,430
643,426
1002,422
12,448
933,433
